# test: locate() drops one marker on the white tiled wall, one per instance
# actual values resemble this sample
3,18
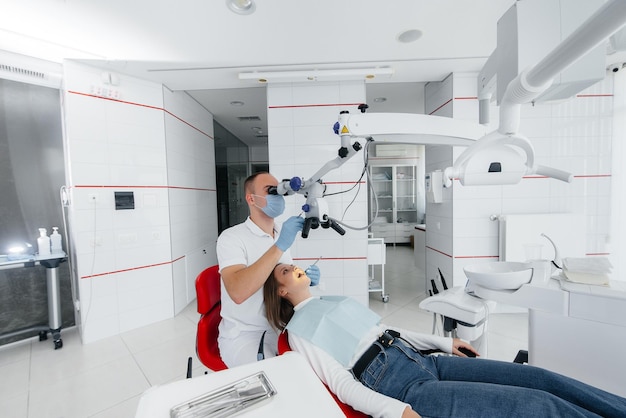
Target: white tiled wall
301,141
617,237
136,137
573,135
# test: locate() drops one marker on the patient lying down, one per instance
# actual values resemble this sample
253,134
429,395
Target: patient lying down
385,373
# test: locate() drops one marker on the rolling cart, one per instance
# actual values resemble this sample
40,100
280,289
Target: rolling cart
51,263
376,255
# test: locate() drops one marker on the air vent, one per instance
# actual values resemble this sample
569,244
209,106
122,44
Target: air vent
249,118
261,136
22,71
30,70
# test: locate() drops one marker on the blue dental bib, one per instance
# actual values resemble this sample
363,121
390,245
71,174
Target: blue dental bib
335,324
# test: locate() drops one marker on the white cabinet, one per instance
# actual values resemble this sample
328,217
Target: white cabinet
395,196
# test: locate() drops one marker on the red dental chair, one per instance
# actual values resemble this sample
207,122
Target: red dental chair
209,306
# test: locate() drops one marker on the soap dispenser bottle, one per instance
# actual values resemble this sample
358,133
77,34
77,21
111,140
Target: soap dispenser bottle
55,241
43,242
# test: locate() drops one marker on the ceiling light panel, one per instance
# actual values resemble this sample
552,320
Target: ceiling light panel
306,76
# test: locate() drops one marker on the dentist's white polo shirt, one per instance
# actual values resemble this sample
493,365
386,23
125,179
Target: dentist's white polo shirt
244,244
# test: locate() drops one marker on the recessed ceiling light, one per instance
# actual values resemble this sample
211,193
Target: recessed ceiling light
242,7
410,35
380,99
237,103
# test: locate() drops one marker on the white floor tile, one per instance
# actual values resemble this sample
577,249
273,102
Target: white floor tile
125,409
410,321
14,406
89,392
383,309
11,353
49,366
168,361
156,334
14,379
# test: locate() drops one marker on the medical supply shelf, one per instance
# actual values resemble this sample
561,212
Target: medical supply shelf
51,263
395,188
376,255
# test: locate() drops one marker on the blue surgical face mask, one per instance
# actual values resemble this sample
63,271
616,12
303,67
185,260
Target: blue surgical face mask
275,205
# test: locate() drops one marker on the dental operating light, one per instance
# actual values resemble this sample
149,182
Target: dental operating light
502,157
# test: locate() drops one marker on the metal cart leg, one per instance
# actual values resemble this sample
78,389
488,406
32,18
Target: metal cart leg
54,301
384,296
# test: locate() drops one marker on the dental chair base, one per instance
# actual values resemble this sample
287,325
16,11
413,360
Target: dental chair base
462,315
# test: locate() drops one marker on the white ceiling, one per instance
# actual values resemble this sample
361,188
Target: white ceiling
200,46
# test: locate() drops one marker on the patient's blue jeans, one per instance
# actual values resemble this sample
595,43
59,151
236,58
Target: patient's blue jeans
448,386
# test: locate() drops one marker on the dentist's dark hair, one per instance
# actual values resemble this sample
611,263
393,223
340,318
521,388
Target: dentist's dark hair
278,310
247,184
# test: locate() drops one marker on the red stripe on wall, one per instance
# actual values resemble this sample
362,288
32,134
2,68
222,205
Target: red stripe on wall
449,101
476,256
437,251
95,186
187,123
132,269
142,105
330,258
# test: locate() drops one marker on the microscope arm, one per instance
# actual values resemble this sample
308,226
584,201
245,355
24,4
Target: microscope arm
404,128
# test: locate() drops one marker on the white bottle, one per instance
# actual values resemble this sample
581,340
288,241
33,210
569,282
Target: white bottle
43,242
55,241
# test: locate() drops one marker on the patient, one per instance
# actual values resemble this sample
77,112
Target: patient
388,376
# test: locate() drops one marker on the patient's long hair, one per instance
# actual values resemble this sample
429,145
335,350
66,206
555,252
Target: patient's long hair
278,310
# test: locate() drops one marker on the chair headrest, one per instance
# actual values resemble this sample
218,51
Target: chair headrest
208,289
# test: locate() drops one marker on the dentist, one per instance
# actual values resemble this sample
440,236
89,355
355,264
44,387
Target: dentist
247,253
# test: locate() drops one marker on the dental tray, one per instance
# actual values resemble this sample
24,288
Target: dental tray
229,400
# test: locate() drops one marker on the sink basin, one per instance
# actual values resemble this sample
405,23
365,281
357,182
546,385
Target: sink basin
499,275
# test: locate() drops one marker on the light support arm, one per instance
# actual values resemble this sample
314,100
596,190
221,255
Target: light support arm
530,83
607,20
486,86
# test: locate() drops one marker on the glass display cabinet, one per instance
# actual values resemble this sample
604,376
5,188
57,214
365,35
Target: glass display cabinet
395,191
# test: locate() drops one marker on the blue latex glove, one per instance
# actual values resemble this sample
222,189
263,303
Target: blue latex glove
288,232
313,273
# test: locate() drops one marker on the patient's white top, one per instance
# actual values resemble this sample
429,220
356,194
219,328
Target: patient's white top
341,381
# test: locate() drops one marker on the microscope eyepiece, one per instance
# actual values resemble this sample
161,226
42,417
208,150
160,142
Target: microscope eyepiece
272,190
